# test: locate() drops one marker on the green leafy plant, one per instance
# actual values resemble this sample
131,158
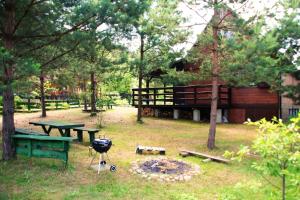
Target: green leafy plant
278,149
18,102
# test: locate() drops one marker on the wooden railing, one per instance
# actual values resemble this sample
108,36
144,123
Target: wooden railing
192,95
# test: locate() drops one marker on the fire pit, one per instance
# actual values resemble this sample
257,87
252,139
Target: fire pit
165,169
165,166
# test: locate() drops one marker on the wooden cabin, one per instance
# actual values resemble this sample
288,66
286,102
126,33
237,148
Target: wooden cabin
192,101
235,104
289,107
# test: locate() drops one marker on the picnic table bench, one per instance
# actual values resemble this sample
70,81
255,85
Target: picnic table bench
28,132
91,132
42,146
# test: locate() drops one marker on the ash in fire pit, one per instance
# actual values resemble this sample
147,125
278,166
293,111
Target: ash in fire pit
164,169
165,166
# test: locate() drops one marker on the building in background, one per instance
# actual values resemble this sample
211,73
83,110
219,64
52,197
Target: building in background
289,107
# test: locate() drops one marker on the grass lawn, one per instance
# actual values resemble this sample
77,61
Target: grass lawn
47,179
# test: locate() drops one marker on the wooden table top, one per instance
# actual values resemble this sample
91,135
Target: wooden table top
58,124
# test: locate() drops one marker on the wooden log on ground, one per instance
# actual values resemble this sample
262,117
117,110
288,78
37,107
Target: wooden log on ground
185,153
150,150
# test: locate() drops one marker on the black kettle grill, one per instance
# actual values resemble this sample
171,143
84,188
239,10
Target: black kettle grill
102,146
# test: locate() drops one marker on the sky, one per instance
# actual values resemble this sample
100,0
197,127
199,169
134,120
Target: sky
198,23
198,17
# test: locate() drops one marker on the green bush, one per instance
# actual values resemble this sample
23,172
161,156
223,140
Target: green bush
278,147
18,102
65,105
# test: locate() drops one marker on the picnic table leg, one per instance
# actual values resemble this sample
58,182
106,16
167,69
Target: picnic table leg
68,132
47,131
79,135
92,137
61,132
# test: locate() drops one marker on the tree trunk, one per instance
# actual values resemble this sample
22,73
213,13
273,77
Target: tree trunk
28,104
139,115
215,90
42,91
283,168
84,99
93,93
8,126
283,187
147,86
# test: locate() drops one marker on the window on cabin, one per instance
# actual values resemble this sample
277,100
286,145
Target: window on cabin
227,34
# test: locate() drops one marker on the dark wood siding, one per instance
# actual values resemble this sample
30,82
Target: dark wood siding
253,96
253,103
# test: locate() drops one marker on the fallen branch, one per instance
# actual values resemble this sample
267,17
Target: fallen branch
203,155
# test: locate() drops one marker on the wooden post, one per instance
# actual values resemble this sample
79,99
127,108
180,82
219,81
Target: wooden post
164,94
147,91
154,98
174,95
195,95
28,104
133,95
219,95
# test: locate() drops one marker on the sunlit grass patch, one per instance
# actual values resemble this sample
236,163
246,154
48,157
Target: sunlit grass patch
34,178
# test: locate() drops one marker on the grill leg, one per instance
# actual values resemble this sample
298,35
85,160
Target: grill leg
90,151
99,164
93,159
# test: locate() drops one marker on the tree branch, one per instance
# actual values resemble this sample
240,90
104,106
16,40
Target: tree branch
61,55
224,17
276,186
28,7
191,25
202,16
59,34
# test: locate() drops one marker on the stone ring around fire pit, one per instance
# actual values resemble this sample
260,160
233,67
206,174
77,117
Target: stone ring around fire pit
164,169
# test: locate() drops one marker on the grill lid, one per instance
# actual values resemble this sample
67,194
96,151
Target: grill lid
101,145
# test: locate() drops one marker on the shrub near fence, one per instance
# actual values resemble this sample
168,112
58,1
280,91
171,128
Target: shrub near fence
62,104
34,104
28,105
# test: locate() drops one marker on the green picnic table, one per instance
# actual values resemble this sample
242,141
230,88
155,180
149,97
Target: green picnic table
63,127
